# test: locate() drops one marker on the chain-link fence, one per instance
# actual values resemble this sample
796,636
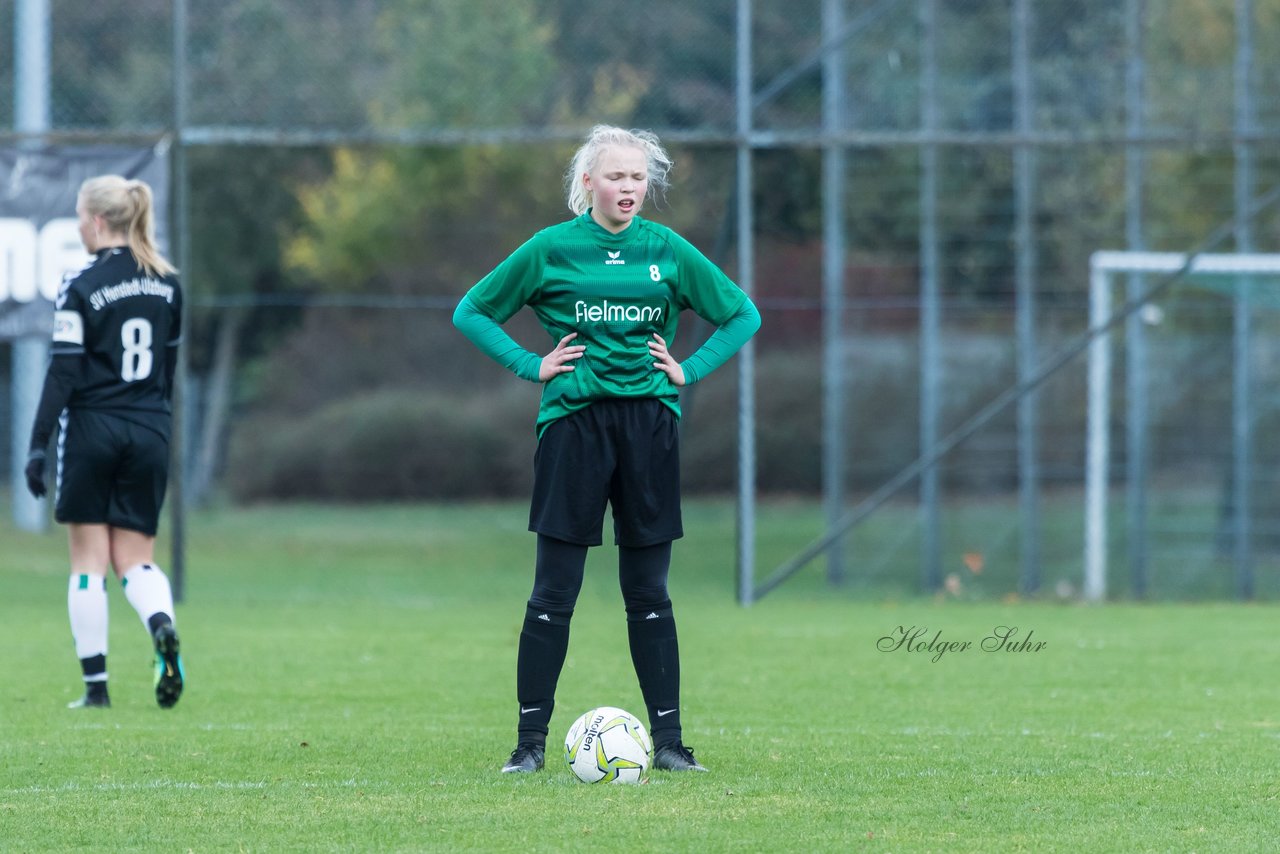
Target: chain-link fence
927,182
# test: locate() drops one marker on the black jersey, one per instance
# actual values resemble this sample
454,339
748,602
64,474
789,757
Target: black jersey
121,320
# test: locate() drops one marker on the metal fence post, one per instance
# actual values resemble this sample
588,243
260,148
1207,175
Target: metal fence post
746,357
930,301
1242,404
1025,263
1137,452
30,353
833,253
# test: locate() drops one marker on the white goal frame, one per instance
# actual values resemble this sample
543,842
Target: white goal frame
1103,267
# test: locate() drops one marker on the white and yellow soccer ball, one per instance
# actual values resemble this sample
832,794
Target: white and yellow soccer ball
608,745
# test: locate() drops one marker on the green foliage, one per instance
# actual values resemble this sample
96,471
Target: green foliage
386,445
413,221
382,216
102,74
645,67
462,64
280,63
242,203
350,689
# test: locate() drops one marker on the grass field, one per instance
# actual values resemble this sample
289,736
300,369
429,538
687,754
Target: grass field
351,678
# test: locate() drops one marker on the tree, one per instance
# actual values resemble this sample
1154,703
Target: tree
379,219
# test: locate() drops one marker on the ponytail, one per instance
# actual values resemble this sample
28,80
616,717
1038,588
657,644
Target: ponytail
142,232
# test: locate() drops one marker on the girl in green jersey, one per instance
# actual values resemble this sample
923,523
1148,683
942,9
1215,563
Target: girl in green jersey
608,286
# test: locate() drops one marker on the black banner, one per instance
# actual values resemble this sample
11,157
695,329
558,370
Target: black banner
39,237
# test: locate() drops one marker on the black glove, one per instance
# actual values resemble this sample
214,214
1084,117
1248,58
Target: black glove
35,473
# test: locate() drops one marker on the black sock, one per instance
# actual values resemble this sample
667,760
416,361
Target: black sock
656,656
93,666
544,641
94,669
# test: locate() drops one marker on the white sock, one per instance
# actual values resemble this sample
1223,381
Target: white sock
147,589
87,607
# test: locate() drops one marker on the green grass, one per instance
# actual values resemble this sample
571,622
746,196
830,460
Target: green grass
351,679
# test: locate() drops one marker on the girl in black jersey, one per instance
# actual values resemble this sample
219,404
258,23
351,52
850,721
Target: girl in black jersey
117,325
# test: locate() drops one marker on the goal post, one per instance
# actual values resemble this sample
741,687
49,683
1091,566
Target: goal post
1104,266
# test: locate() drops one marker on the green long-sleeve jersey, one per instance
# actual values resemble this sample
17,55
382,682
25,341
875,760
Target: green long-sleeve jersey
615,291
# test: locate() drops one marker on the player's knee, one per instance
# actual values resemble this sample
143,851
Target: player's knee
640,597
554,600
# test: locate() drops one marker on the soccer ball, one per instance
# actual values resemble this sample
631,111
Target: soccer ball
608,745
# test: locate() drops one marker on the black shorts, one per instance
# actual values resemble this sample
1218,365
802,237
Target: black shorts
625,452
112,470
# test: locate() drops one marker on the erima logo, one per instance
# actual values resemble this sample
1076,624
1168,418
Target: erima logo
612,313
614,258
544,617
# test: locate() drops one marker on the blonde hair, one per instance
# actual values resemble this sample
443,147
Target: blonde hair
125,205
600,138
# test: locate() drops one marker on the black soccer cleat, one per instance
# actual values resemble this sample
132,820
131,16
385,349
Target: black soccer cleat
169,673
675,757
94,698
525,759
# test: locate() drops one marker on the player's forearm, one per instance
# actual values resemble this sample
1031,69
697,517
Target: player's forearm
723,343
59,383
494,341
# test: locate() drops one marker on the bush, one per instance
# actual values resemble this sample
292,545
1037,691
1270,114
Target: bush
788,428
389,445
451,442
